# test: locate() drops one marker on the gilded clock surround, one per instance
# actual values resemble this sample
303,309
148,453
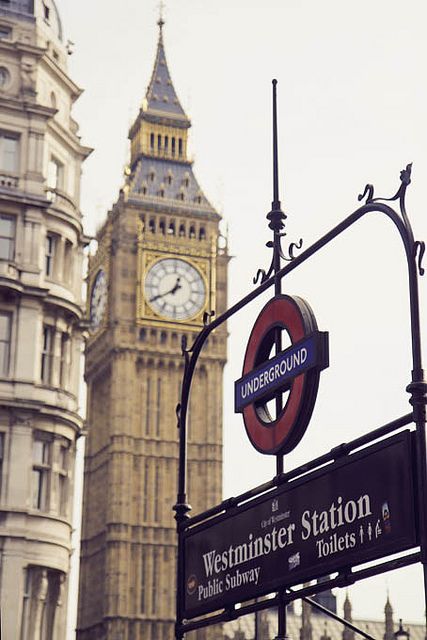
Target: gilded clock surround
145,311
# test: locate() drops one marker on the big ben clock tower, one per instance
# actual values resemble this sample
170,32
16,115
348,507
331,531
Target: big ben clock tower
160,265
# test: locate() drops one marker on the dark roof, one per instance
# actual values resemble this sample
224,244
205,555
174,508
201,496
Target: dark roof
167,182
161,96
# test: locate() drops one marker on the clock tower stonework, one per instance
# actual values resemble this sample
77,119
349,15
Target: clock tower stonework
161,263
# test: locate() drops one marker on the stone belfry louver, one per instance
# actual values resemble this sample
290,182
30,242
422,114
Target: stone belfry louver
160,265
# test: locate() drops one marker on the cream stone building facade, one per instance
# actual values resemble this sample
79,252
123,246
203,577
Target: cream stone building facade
160,265
41,253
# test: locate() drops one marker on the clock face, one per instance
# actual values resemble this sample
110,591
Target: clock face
175,289
98,299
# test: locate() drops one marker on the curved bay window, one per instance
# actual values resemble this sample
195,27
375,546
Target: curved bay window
43,595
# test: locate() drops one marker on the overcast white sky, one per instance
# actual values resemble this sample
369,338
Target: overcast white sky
352,109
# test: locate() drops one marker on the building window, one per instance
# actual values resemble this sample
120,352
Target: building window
5,331
2,436
47,354
156,494
41,474
154,582
146,492
7,237
9,147
65,364
180,146
68,263
148,408
173,146
159,142
42,597
51,241
152,141
158,406
55,174
4,32
142,582
63,467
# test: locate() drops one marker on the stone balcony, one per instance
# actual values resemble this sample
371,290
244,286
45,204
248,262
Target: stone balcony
8,181
10,276
62,201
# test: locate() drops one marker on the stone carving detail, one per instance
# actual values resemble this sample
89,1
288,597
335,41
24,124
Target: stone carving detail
28,79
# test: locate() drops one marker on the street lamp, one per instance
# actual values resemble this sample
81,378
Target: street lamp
401,634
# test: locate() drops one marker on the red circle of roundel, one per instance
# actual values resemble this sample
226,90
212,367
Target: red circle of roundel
284,433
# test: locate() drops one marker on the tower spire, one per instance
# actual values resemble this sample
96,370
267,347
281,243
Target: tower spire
161,100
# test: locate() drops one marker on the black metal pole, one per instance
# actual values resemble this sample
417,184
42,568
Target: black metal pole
276,217
418,386
281,618
418,390
181,507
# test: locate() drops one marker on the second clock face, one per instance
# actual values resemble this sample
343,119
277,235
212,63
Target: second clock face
98,299
175,289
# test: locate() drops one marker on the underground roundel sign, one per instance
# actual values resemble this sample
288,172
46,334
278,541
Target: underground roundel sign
278,388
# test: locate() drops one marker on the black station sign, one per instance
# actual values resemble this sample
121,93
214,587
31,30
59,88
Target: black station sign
355,510
296,369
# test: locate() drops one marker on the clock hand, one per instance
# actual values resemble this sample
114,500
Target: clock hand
159,295
174,289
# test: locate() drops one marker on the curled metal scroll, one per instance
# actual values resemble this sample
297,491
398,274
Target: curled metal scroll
405,181
262,275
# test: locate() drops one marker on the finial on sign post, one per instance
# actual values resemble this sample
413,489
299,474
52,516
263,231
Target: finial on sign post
276,215
276,201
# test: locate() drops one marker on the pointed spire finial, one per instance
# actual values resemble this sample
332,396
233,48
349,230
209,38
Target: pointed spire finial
161,21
